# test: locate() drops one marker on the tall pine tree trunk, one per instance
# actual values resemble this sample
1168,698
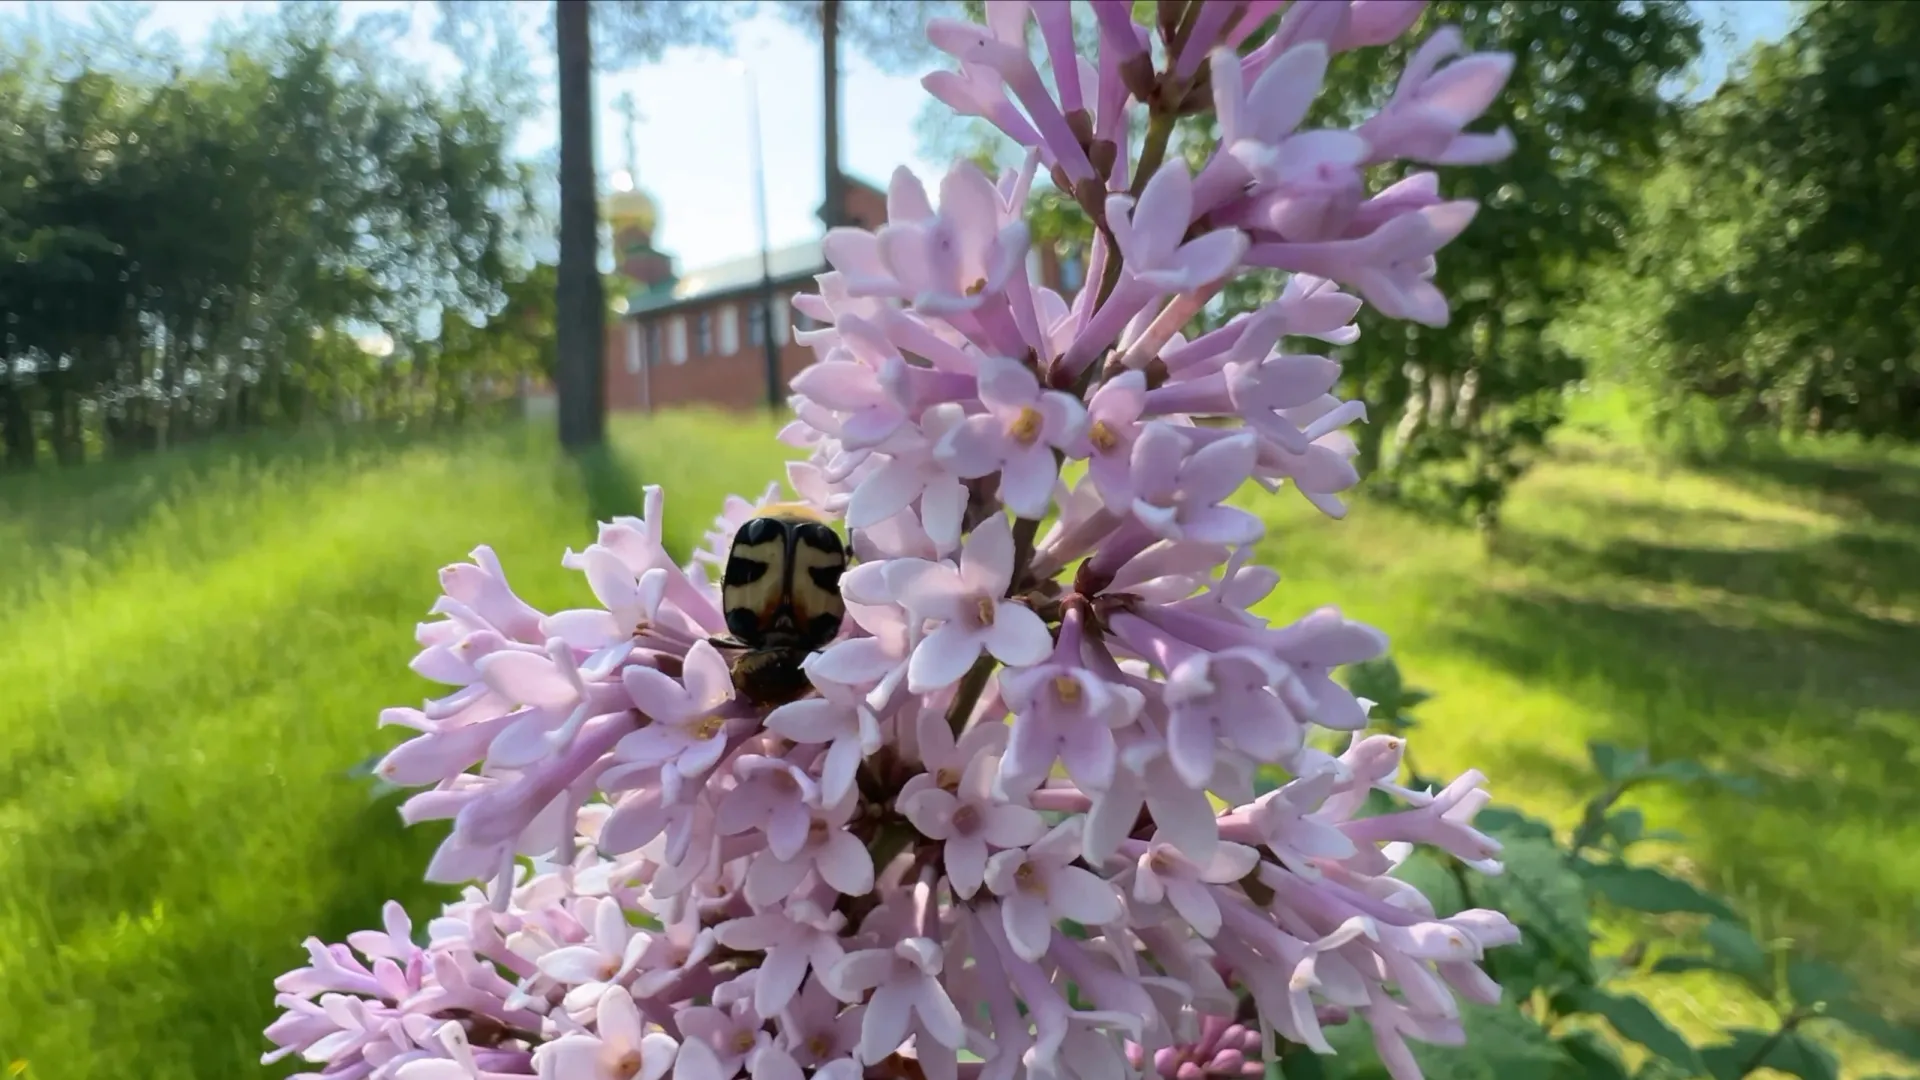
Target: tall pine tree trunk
834,210
16,420
579,303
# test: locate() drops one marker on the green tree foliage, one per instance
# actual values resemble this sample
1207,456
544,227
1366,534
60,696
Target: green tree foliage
1775,268
1456,413
200,249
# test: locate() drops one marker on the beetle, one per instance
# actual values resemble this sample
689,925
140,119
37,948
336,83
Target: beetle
780,595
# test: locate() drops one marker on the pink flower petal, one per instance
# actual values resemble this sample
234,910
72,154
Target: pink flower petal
1281,96
770,880
1161,219
938,1015
1008,826
973,448
651,745
943,506
1007,384
1018,636
813,720
756,933
618,1019
781,972
1207,259
1027,482
858,972
774,1063
657,1053
1194,902
944,656
709,683
656,695
966,862
526,678
1190,747
698,757
930,810
576,964
986,562
844,864
697,1061
906,201
1029,926
928,590
884,492
884,1027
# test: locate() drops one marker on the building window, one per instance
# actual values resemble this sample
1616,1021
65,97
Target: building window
1072,273
634,357
779,320
757,324
703,334
729,330
677,339
654,354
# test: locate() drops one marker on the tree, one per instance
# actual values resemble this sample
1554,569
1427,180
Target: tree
580,303
628,32
190,248
890,33
1776,262
1456,413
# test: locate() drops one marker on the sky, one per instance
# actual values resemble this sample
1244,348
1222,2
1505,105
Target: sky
692,134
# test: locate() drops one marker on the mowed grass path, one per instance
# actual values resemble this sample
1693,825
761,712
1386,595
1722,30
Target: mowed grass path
196,647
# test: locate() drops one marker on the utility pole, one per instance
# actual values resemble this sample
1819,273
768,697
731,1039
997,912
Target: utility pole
833,211
775,389
580,299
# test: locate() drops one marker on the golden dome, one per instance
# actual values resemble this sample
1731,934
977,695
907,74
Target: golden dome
632,208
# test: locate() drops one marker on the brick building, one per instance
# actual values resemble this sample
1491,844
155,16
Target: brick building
698,339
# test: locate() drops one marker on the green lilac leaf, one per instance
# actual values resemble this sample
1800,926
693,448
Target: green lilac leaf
1642,888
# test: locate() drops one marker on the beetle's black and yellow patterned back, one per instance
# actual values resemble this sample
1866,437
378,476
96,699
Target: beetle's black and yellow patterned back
781,586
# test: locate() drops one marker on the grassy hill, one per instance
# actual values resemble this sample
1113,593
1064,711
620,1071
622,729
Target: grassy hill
196,647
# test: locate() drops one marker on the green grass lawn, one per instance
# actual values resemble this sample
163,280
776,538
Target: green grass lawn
196,648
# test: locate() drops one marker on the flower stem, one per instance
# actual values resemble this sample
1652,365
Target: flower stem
972,684
1766,1047
1024,530
1154,151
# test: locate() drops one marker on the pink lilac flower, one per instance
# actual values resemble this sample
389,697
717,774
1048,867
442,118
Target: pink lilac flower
969,821
1014,816
619,1048
1016,437
1038,887
969,603
1150,235
687,732
794,939
903,993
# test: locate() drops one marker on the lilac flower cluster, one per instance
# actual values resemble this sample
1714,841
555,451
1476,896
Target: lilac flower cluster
1052,810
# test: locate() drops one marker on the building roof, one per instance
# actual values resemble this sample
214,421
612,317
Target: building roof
735,275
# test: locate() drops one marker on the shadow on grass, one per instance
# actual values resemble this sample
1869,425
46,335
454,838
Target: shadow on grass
1844,578
1883,486
378,859
1823,717
93,508
613,488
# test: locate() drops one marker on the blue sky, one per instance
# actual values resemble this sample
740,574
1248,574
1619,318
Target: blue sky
692,134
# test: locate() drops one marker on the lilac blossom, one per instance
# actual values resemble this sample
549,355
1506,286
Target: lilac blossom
1012,831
